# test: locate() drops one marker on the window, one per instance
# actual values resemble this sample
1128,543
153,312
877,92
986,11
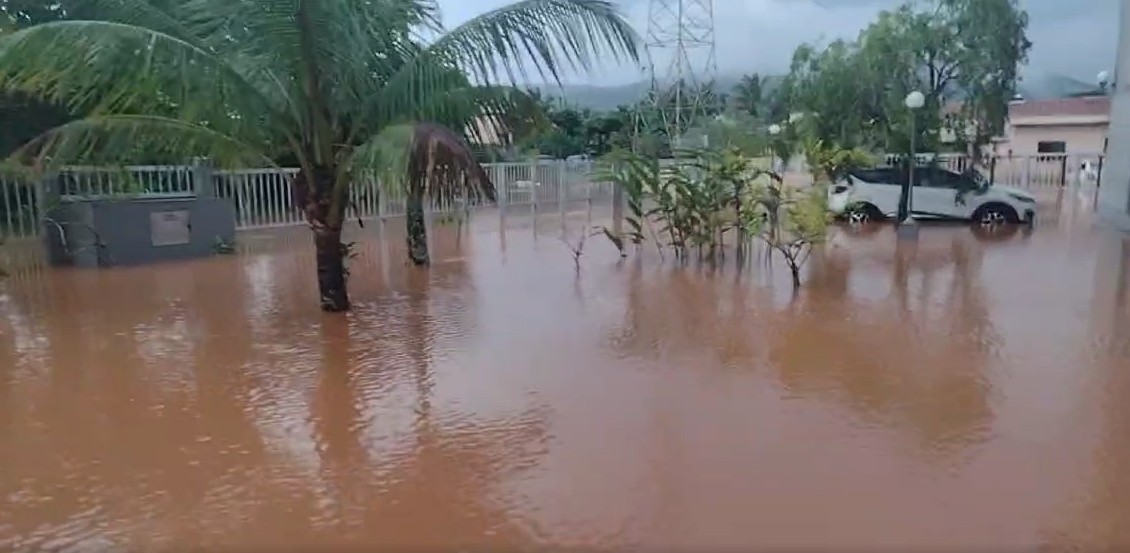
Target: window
881,175
1051,147
938,178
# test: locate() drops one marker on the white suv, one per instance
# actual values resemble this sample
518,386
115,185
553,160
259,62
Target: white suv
872,194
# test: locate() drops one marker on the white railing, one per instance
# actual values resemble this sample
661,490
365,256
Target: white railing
1036,172
139,180
262,197
19,207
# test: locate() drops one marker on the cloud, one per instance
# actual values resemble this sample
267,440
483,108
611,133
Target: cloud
1070,37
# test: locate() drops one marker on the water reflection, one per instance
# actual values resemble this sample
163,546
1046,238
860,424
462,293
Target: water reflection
1102,503
499,399
922,369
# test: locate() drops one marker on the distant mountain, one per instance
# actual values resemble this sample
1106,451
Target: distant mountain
605,98
1048,86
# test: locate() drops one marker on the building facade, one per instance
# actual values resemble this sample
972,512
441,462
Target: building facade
1073,126
1114,190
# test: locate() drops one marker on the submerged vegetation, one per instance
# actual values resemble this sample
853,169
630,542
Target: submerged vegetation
713,200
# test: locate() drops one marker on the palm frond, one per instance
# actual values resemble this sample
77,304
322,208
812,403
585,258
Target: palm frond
142,13
500,46
425,158
444,166
105,67
110,139
539,35
486,114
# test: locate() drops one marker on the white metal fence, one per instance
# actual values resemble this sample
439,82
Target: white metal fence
262,197
1033,172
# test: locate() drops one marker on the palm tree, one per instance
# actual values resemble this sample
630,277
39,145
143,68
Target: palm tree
347,89
748,94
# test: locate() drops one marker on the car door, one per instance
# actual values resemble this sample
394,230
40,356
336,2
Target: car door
935,194
880,187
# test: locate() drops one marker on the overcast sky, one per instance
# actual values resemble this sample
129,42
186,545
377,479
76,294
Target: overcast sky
1070,37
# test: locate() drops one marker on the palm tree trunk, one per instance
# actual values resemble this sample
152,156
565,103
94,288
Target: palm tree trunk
417,230
317,201
330,253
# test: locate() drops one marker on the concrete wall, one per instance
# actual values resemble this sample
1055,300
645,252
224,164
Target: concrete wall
124,228
1080,139
1114,190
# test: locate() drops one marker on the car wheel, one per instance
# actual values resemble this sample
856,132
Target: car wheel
863,214
995,216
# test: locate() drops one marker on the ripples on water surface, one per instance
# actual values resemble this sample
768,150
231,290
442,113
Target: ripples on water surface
961,394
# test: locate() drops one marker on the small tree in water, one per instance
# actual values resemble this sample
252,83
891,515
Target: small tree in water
791,222
339,86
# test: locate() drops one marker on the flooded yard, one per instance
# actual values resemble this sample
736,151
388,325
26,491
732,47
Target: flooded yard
965,392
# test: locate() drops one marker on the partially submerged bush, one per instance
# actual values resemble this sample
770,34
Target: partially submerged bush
790,221
708,195
694,202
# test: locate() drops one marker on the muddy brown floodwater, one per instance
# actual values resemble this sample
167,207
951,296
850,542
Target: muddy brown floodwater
961,394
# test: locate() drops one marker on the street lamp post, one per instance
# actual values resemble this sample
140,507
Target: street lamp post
775,130
908,227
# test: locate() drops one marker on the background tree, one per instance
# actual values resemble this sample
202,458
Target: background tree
961,51
571,131
829,87
340,85
748,96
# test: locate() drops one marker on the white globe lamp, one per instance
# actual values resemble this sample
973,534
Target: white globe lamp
915,100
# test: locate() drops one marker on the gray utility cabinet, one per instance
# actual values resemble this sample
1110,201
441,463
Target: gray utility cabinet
132,231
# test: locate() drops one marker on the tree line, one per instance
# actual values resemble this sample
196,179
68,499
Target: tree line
964,56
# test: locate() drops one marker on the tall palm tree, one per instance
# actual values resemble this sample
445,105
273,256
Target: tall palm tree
345,88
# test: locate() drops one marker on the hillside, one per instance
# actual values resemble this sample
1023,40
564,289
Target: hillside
603,98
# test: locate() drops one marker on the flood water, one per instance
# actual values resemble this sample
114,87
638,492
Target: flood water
959,394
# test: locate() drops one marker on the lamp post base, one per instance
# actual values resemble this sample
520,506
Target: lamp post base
907,229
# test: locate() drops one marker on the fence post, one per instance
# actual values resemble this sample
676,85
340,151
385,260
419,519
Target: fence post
202,184
587,176
501,187
382,210
47,198
562,193
1098,181
535,185
466,199
617,209
1063,171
